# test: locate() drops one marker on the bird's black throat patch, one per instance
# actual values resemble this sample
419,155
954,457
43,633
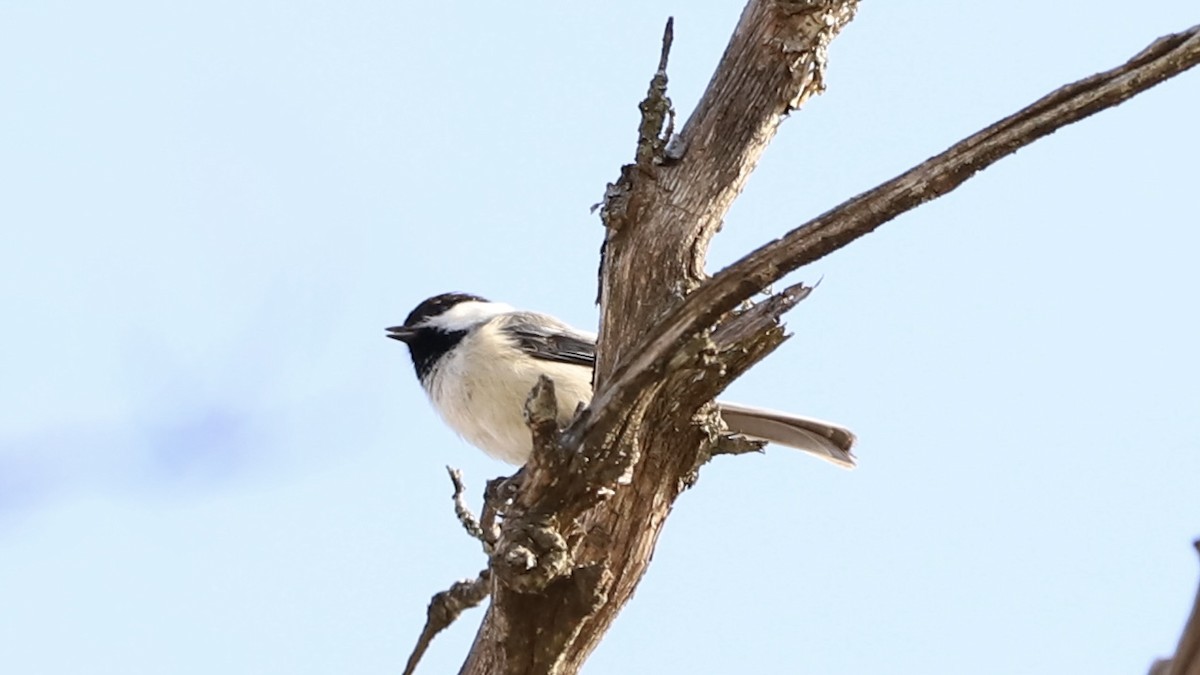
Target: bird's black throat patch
429,345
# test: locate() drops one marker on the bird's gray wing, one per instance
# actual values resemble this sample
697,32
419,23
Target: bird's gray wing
544,337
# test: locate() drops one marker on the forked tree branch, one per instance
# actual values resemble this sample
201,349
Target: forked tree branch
609,501
664,210
577,535
1164,58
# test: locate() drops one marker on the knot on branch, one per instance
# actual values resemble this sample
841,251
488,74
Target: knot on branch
530,556
719,441
541,416
563,477
731,444
541,409
614,208
497,497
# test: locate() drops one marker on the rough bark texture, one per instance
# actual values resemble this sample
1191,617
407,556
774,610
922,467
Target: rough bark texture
578,524
1166,57
609,501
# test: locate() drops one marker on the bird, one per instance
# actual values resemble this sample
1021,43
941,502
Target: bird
478,360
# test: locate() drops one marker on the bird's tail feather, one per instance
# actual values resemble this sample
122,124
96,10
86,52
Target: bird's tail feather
827,441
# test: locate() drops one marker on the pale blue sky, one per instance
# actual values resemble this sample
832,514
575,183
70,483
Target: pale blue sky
211,460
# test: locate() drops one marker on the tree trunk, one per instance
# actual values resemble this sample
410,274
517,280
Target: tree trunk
581,519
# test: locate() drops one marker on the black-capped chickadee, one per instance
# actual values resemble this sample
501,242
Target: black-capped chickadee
478,361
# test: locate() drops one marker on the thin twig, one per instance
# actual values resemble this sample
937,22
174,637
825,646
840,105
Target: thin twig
444,608
656,108
468,520
668,39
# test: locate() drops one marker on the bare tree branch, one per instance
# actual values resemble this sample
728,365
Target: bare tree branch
657,112
576,537
610,501
447,605
1164,58
775,61
444,608
461,510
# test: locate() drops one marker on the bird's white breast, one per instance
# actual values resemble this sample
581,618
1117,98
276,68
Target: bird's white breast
480,388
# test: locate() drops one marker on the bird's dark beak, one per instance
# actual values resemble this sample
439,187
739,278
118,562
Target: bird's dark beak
401,333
